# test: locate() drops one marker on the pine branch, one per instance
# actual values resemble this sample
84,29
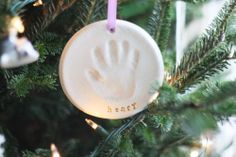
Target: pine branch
154,20
159,24
212,63
37,153
36,19
208,95
49,45
173,143
79,15
89,11
224,110
165,27
33,77
213,93
203,47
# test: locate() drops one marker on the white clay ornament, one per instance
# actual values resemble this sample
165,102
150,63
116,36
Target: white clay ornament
109,75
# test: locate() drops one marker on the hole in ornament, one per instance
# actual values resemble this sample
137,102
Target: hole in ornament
112,30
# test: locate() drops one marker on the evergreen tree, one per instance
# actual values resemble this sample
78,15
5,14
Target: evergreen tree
35,113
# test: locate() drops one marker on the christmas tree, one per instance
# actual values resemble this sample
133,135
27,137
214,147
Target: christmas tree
182,121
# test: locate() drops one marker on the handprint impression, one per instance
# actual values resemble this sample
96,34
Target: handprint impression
113,74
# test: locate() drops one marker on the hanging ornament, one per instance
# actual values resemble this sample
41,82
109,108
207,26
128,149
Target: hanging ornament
16,51
108,67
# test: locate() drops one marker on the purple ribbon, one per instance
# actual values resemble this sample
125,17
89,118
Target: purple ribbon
111,15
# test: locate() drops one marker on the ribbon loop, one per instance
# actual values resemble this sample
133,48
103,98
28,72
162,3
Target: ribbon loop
111,15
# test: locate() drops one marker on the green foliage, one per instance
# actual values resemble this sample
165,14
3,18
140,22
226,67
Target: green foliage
167,97
155,18
36,19
225,109
147,135
79,15
169,60
49,45
213,93
43,78
163,122
37,153
212,63
200,50
20,84
134,8
160,23
171,141
195,123
126,148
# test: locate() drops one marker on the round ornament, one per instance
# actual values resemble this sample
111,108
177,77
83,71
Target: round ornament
110,74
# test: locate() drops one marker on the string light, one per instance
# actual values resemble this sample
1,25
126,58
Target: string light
54,151
194,153
16,25
91,123
38,3
99,129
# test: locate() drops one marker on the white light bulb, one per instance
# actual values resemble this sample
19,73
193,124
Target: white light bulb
194,153
91,123
54,151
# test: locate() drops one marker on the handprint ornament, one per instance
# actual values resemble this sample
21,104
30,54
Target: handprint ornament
110,74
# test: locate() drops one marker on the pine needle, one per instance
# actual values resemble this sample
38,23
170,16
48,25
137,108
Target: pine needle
202,49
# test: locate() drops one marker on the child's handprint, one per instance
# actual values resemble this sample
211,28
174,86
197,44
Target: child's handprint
113,74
